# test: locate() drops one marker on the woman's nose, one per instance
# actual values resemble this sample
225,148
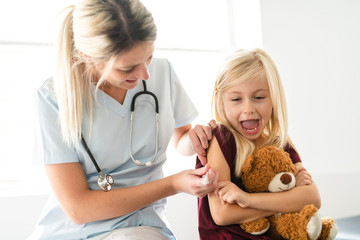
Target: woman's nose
142,72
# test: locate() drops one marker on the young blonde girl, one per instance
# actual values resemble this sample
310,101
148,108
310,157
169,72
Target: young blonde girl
250,105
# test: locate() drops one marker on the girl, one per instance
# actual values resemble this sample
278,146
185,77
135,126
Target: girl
249,103
105,50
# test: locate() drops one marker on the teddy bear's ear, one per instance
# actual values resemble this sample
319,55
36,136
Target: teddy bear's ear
280,160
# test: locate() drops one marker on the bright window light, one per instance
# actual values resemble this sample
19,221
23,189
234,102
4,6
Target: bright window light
195,35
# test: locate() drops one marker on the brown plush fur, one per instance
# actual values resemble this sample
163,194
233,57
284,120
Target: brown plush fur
291,225
257,172
327,224
265,162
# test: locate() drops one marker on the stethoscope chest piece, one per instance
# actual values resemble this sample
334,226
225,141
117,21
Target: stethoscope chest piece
105,181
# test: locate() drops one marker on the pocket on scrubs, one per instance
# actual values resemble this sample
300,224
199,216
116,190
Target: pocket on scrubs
132,233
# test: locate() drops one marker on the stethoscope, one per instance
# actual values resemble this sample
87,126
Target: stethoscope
105,181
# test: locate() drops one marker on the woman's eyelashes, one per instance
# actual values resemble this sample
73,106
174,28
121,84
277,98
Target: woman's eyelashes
127,71
148,61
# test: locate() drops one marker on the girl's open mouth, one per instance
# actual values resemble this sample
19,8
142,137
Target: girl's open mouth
250,126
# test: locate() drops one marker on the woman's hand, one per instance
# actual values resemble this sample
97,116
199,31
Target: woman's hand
200,136
228,192
302,176
191,181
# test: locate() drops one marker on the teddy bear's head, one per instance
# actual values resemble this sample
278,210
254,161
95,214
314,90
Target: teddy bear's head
268,169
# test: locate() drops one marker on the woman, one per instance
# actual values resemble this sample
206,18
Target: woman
87,140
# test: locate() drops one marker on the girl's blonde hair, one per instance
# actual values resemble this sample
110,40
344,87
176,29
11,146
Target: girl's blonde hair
241,66
92,34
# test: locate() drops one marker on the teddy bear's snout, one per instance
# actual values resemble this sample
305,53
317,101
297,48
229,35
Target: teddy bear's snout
285,178
281,182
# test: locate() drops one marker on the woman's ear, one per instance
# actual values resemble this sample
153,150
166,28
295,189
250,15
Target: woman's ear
87,58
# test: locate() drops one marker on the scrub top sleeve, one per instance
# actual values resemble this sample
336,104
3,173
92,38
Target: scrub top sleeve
183,108
50,147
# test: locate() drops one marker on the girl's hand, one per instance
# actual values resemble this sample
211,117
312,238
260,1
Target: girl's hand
191,181
228,192
302,176
200,136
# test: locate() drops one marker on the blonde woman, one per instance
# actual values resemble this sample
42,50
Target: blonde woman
249,103
105,121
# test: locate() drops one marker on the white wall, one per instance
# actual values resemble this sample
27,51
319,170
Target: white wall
315,44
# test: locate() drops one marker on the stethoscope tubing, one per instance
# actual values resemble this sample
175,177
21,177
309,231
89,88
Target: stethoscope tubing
106,181
145,91
98,169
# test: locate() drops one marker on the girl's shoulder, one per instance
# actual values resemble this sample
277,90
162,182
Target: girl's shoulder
223,134
226,141
294,156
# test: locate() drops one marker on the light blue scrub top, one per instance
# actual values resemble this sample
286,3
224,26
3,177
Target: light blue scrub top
109,143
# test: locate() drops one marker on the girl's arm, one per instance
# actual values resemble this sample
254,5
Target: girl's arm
258,204
289,201
302,176
226,214
82,205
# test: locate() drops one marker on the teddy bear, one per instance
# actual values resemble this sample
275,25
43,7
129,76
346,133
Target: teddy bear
270,169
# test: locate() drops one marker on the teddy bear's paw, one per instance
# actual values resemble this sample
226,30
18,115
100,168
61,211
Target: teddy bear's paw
314,226
333,231
256,227
329,229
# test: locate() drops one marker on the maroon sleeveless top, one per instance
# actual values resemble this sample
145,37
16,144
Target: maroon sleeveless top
208,230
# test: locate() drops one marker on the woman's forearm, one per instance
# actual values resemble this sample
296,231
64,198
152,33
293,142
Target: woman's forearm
82,204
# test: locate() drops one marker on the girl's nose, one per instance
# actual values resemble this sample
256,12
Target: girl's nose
142,72
249,107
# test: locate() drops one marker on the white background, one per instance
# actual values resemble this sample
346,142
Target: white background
314,43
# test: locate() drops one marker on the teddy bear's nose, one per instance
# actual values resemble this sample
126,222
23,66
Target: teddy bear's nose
285,178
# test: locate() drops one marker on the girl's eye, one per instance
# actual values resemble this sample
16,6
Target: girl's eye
259,98
235,99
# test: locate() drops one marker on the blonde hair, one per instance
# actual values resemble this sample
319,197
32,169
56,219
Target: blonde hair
241,66
93,33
